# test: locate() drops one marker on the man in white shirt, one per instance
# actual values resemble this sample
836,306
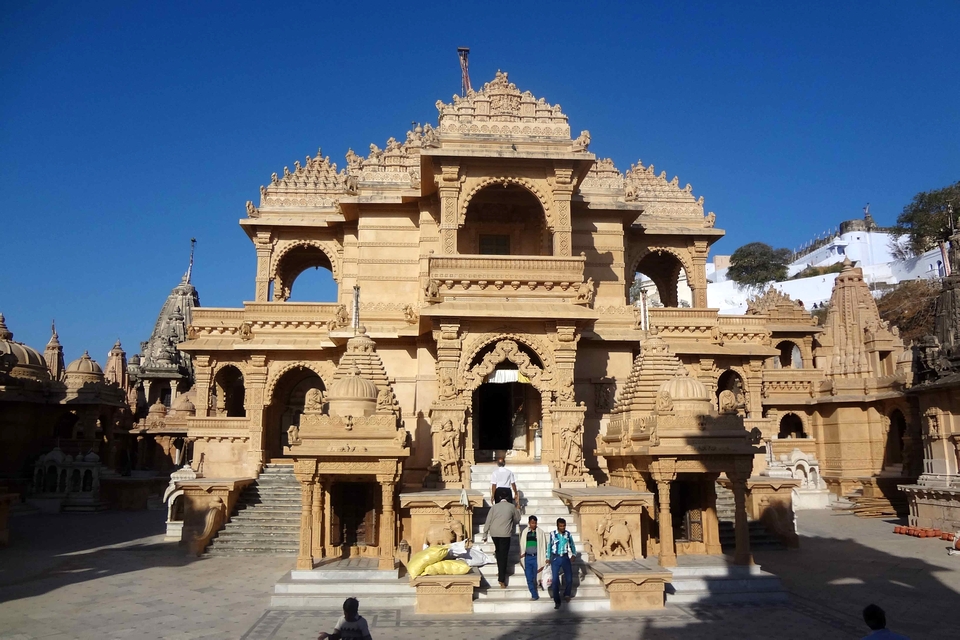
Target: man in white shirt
503,478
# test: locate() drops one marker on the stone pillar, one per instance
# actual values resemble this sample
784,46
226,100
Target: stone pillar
562,194
306,470
668,555
255,382
318,550
202,376
742,553
173,392
697,281
388,525
448,189
264,245
711,524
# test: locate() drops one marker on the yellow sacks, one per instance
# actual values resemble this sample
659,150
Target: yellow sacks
447,568
422,559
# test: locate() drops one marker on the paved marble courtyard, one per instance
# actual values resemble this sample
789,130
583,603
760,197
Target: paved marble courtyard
109,575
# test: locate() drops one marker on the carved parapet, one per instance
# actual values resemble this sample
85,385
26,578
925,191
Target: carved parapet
610,520
446,594
679,323
632,586
434,511
548,277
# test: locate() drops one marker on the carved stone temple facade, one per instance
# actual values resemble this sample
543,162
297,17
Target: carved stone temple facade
494,254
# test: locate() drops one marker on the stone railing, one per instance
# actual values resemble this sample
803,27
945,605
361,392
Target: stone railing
500,276
673,322
289,315
795,382
210,321
752,329
218,427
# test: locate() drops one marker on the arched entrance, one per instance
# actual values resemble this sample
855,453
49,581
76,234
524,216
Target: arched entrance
507,409
791,426
664,278
790,356
893,455
287,405
731,394
505,219
228,393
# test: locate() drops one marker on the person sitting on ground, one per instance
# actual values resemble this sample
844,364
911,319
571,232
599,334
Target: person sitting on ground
503,478
876,619
350,626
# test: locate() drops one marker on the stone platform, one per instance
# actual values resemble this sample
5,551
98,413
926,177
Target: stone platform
327,585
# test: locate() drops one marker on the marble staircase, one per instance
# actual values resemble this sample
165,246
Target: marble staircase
266,519
716,580
536,498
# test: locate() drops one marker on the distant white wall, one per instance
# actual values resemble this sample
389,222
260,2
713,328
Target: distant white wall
730,299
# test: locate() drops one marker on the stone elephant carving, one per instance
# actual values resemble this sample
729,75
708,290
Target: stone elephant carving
615,538
446,532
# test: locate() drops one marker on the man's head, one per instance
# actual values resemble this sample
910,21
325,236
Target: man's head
874,617
351,606
532,521
501,462
561,525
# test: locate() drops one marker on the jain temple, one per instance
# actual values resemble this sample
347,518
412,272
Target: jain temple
483,268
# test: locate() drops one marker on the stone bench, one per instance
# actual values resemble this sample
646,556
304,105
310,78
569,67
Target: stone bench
446,594
632,585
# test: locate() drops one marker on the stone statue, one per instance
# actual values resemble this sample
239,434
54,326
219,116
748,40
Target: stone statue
433,289
728,401
386,400
664,401
293,435
585,292
582,141
447,389
449,454
430,137
565,392
709,220
450,530
571,448
313,401
252,210
615,538
409,314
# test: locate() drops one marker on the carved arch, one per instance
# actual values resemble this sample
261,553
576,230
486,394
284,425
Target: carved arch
546,203
505,350
542,351
323,369
666,282
331,249
639,253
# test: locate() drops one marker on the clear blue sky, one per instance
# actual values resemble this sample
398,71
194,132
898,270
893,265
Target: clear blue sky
126,128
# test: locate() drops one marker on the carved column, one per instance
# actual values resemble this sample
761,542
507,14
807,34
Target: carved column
318,550
255,382
711,524
387,523
698,279
562,227
173,391
306,471
668,555
448,189
742,553
264,244
202,375
451,403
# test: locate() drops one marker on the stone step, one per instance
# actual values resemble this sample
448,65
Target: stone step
343,575
326,589
371,588
291,536
335,602
234,550
251,514
543,605
724,584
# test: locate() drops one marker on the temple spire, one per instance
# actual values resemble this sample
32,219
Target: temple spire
5,334
53,353
189,273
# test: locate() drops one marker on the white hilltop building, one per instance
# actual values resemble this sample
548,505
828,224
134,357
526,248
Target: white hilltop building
861,241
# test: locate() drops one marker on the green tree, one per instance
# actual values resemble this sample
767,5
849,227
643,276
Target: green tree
926,220
757,263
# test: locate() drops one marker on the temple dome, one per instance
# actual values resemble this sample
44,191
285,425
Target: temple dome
183,406
686,388
85,364
353,387
29,362
353,395
82,371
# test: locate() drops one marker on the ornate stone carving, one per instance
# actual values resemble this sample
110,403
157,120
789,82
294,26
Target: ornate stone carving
662,199
615,537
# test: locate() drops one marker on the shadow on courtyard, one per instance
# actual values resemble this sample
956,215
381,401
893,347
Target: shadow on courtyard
47,552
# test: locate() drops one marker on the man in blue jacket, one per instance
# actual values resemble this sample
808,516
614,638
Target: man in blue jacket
561,550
